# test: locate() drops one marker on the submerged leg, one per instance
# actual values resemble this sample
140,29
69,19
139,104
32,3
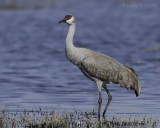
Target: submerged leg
109,99
99,85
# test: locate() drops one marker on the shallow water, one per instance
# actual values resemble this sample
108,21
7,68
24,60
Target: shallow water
35,71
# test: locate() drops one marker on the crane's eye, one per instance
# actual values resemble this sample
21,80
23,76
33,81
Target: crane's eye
67,17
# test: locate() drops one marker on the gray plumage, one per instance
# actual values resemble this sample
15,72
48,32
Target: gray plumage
108,70
98,67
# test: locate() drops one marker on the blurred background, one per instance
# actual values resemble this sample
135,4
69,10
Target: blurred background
26,4
35,72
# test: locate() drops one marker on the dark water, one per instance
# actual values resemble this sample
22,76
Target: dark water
35,71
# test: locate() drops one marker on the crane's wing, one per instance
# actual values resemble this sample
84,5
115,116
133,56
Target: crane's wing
108,70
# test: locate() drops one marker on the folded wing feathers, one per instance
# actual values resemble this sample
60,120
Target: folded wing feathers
130,80
110,71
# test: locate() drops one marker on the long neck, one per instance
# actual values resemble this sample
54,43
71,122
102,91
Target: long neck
69,38
72,52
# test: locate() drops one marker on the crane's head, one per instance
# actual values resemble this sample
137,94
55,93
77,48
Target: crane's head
69,19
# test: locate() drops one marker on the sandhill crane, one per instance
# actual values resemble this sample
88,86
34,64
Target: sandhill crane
98,67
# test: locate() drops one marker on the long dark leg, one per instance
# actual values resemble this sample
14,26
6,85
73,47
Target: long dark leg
99,107
99,85
109,99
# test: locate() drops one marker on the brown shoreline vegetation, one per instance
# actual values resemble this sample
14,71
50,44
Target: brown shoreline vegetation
40,118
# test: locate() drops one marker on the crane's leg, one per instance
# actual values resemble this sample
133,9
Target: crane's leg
99,107
109,99
99,85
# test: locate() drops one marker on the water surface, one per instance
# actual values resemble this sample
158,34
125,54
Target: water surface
34,69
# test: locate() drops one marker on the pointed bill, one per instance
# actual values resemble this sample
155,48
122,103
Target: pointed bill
62,21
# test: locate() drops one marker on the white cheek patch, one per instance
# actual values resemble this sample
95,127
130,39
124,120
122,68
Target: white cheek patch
70,21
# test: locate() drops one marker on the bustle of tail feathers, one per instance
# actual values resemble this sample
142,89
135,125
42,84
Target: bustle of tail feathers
136,87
